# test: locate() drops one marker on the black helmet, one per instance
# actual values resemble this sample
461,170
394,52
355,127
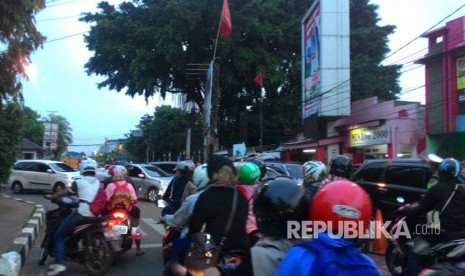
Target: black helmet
340,166
261,165
449,168
278,201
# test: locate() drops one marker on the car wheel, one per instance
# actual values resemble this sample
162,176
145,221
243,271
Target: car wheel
17,187
58,187
152,194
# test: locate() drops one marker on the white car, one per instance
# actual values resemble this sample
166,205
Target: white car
41,175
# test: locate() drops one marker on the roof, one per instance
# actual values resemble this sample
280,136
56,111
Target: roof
27,144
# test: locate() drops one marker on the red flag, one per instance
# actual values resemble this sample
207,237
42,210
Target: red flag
225,23
259,79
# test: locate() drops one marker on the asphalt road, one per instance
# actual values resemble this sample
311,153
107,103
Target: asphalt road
148,264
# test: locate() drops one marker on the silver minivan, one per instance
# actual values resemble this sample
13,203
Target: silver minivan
41,175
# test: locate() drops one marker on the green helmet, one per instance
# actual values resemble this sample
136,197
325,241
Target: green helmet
249,173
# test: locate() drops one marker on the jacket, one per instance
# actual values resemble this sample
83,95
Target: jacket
453,217
301,261
268,253
212,209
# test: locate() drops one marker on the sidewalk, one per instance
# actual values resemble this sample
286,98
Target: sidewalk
20,222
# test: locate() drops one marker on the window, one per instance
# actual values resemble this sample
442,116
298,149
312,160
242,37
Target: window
61,167
38,167
371,172
406,176
134,171
22,166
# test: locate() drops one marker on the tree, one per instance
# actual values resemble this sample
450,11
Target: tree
149,47
19,38
368,48
164,133
65,136
10,119
32,127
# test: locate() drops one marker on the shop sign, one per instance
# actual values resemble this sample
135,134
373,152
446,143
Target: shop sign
370,136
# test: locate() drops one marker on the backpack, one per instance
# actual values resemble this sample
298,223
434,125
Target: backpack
121,198
339,261
99,204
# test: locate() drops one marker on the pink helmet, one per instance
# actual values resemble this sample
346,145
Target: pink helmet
119,173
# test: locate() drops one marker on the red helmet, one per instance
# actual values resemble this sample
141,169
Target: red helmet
341,201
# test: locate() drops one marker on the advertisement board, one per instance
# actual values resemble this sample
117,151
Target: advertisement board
326,59
370,136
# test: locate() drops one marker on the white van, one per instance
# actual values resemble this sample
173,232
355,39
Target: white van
41,175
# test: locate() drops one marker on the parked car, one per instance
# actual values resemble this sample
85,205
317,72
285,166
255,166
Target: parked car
392,183
41,175
271,173
150,181
294,170
168,166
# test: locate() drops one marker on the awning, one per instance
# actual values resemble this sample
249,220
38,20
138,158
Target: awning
310,143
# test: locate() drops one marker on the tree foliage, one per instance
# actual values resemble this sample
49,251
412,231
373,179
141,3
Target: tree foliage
368,48
32,127
65,136
146,47
10,119
19,38
165,134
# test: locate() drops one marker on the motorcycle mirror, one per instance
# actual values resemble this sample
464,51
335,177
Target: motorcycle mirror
434,158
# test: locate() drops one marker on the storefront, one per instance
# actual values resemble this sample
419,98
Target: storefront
374,130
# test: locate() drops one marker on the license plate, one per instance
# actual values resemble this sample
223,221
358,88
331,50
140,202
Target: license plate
119,229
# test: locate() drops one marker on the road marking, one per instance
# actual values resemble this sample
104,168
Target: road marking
155,225
152,245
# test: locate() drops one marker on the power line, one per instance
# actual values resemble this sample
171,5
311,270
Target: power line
410,42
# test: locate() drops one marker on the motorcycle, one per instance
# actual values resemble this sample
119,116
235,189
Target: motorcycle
119,233
443,256
86,245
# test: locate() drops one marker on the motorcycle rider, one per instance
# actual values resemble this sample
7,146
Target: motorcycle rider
277,202
180,187
333,249
340,168
119,176
181,217
452,217
314,172
261,164
211,213
86,189
249,174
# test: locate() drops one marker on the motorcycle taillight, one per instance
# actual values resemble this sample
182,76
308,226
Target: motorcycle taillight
119,215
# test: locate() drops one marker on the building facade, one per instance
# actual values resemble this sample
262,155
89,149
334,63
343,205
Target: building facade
445,89
390,129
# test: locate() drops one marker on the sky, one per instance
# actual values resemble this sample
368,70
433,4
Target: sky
58,83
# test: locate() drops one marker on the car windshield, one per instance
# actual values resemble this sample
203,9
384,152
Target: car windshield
61,167
154,171
295,170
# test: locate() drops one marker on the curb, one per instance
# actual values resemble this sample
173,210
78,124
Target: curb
30,231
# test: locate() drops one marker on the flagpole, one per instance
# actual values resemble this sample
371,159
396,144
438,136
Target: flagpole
218,33
261,117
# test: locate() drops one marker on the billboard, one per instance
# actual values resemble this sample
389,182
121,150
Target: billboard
326,59
50,136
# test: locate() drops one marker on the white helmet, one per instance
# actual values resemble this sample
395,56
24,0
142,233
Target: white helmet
314,171
88,166
200,176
